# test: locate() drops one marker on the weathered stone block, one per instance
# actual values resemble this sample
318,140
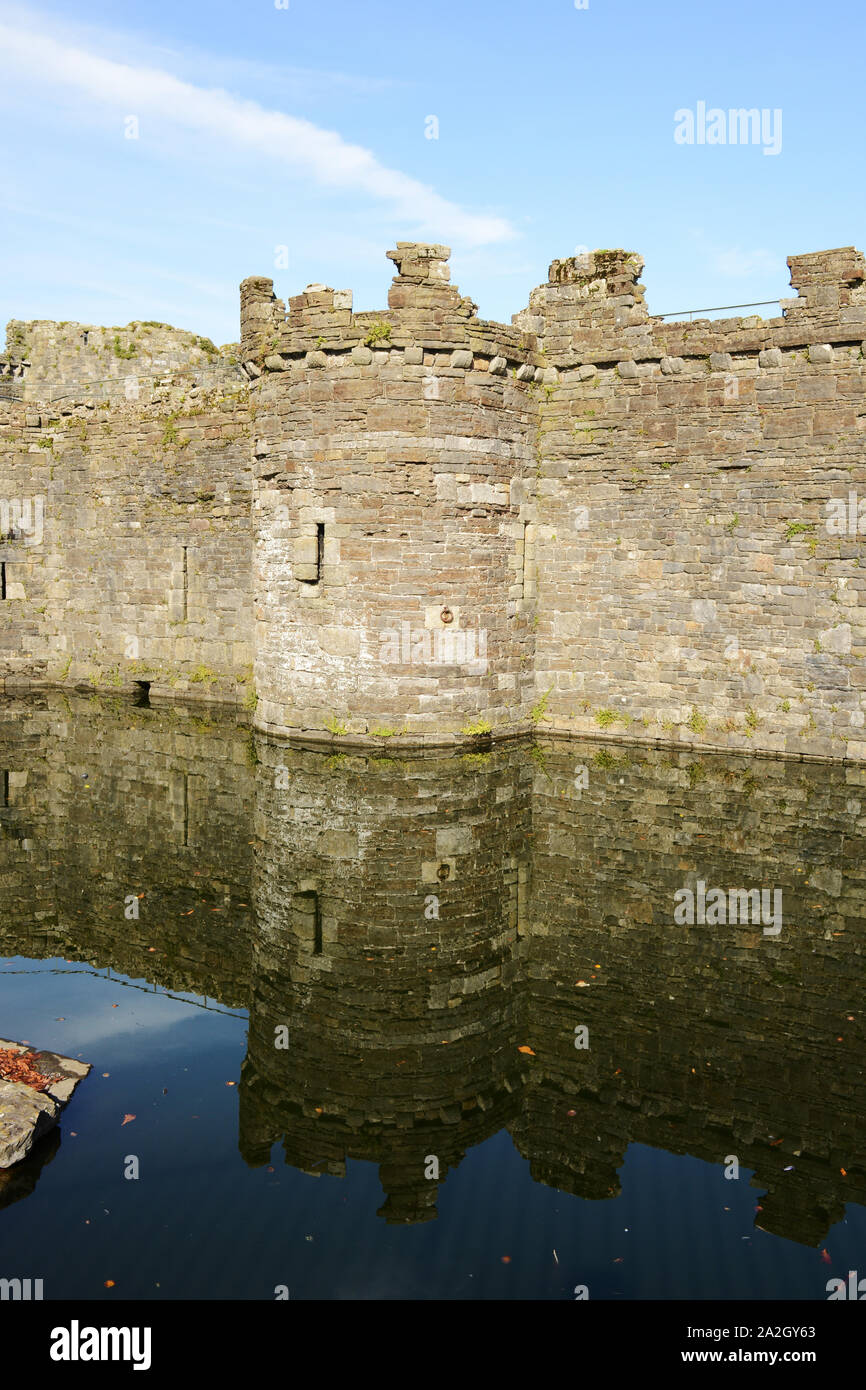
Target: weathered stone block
770,357
25,1115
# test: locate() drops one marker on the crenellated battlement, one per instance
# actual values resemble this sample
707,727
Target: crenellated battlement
424,312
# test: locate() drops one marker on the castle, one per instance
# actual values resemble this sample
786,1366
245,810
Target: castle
417,526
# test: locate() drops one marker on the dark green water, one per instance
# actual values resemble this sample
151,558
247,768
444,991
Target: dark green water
405,926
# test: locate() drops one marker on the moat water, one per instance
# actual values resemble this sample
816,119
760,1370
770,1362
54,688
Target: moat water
426,1026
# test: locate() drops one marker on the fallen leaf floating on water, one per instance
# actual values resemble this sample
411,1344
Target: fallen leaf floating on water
126,1120
506,1259
528,1050
826,1257
109,1284
231,1083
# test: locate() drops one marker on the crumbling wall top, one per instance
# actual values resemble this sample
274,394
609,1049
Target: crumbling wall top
827,279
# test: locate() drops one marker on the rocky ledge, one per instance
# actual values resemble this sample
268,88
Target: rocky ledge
28,1109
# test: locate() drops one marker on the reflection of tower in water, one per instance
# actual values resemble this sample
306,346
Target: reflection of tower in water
386,951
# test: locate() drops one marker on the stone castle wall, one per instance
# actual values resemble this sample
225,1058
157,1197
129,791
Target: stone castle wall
689,577
417,525
47,361
131,558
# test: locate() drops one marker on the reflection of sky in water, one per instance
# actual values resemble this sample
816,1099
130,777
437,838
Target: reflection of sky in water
201,1223
94,1020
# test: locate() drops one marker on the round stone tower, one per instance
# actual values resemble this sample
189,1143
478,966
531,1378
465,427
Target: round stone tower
393,510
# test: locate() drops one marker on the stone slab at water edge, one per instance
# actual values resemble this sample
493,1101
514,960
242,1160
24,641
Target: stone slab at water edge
25,1113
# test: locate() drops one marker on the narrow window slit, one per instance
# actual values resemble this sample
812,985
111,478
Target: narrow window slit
308,920
3,579
317,938
310,554
186,810
529,565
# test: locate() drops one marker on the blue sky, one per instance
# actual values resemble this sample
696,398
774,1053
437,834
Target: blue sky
305,127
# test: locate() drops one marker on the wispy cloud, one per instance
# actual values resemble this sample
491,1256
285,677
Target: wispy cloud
310,151
739,264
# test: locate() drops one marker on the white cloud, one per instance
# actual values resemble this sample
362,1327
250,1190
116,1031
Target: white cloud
310,151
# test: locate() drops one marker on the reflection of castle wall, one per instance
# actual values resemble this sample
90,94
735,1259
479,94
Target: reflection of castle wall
404,1025
104,805
401,1022
711,1040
